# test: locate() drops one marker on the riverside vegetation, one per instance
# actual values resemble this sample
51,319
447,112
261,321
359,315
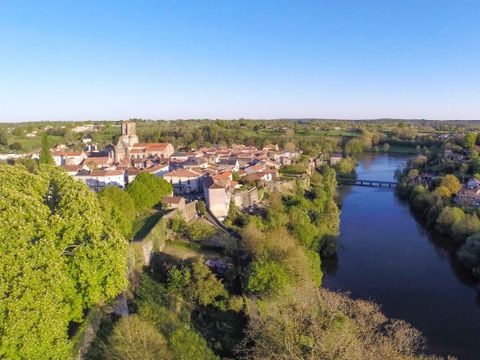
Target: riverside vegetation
434,201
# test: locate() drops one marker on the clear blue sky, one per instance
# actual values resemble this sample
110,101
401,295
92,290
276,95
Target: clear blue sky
78,60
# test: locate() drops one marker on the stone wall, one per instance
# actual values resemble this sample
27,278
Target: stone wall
287,185
188,213
246,198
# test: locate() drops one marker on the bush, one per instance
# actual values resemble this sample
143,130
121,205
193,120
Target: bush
267,278
196,283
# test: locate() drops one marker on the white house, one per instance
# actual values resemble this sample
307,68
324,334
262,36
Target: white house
68,157
159,169
185,181
98,179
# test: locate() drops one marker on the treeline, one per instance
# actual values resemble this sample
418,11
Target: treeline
434,203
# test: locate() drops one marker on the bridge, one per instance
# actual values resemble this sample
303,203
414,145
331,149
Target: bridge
369,183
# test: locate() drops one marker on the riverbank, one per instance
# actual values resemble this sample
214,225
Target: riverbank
432,199
386,256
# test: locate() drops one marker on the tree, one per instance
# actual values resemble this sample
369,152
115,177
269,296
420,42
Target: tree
147,190
196,283
469,254
267,278
448,217
3,137
186,344
470,140
319,324
354,146
114,197
134,338
45,155
202,208
60,256
290,146
451,183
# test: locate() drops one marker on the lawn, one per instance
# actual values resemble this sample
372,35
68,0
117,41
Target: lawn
145,222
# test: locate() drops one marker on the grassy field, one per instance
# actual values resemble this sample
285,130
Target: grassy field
402,150
145,222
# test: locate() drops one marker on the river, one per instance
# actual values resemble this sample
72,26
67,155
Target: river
386,256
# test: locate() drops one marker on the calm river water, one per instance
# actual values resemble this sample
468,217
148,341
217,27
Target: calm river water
385,255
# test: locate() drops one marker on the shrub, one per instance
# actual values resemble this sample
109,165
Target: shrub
267,278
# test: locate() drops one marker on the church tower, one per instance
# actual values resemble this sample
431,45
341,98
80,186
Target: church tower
126,141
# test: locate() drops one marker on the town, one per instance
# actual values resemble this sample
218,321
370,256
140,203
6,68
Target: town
219,174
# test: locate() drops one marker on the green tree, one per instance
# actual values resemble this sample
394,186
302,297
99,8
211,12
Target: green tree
60,256
3,137
202,208
45,155
267,278
469,254
147,190
134,338
448,217
470,140
196,282
119,205
187,344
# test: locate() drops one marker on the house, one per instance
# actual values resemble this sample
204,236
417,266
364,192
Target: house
97,162
335,158
258,176
285,160
174,202
83,128
71,170
184,181
270,147
161,169
468,197
151,150
130,174
194,162
179,156
255,168
473,183
62,157
142,163
223,178
217,198
228,164
98,179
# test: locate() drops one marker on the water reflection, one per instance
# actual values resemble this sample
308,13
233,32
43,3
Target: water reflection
386,255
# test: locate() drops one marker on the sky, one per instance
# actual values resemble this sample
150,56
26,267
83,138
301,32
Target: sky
119,59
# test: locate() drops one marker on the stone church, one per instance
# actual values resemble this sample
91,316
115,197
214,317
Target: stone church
128,147
126,141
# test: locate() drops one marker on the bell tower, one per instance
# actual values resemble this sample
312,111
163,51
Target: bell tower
128,128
